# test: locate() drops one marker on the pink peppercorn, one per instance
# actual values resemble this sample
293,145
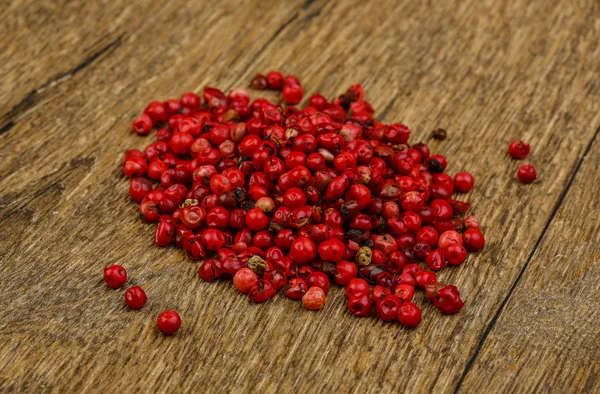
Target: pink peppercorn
314,299
526,174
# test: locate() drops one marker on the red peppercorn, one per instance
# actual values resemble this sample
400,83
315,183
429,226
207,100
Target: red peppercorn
259,82
423,277
314,298
135,297
294,198
344,272
526,174
192,216
139,189
318,279
396,261
463,182
332,250
412,201
409,314
407,279
244,279
256,219
295,288
428,235
209,270
275,80
289,197
455,254
449,237
357,286
303,250
135,167
473,240
262,291
142,125
157,112
518,150
471,222
292,90
404,291
276,278
379,292
360,304
436,260
115,276
387,308
190,100
169,322
446,299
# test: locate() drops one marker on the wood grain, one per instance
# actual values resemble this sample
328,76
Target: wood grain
472,67
41,48
547,337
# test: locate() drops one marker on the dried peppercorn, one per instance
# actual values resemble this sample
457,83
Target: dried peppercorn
526,174
439,134
169,322
314,298
279,197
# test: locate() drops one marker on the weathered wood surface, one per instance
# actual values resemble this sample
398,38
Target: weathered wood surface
547,337
488,71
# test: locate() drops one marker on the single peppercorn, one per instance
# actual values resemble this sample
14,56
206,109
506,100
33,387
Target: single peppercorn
404,291
275,80
526,174
262,291
244,279
135,297
364,255
409,315
303,250
439,134
169,322
360,304
473,240
314,298
142,125
295,288
259,82
519,150
387,308
318,279
115,276
464,182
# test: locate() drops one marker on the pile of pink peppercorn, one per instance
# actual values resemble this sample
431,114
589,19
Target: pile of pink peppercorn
283,199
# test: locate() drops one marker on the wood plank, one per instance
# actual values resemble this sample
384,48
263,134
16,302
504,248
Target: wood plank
45,43
470,66
547,337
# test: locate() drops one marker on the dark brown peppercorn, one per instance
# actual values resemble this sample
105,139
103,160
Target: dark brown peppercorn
435,166
259,82
439,134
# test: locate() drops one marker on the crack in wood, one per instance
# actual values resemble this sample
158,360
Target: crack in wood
9,118
496,316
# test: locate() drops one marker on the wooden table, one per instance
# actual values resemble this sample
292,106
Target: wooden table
74,75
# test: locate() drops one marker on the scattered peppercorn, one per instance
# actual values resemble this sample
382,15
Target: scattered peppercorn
526,174
169,322
115,276
135,297
439,134
518,150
